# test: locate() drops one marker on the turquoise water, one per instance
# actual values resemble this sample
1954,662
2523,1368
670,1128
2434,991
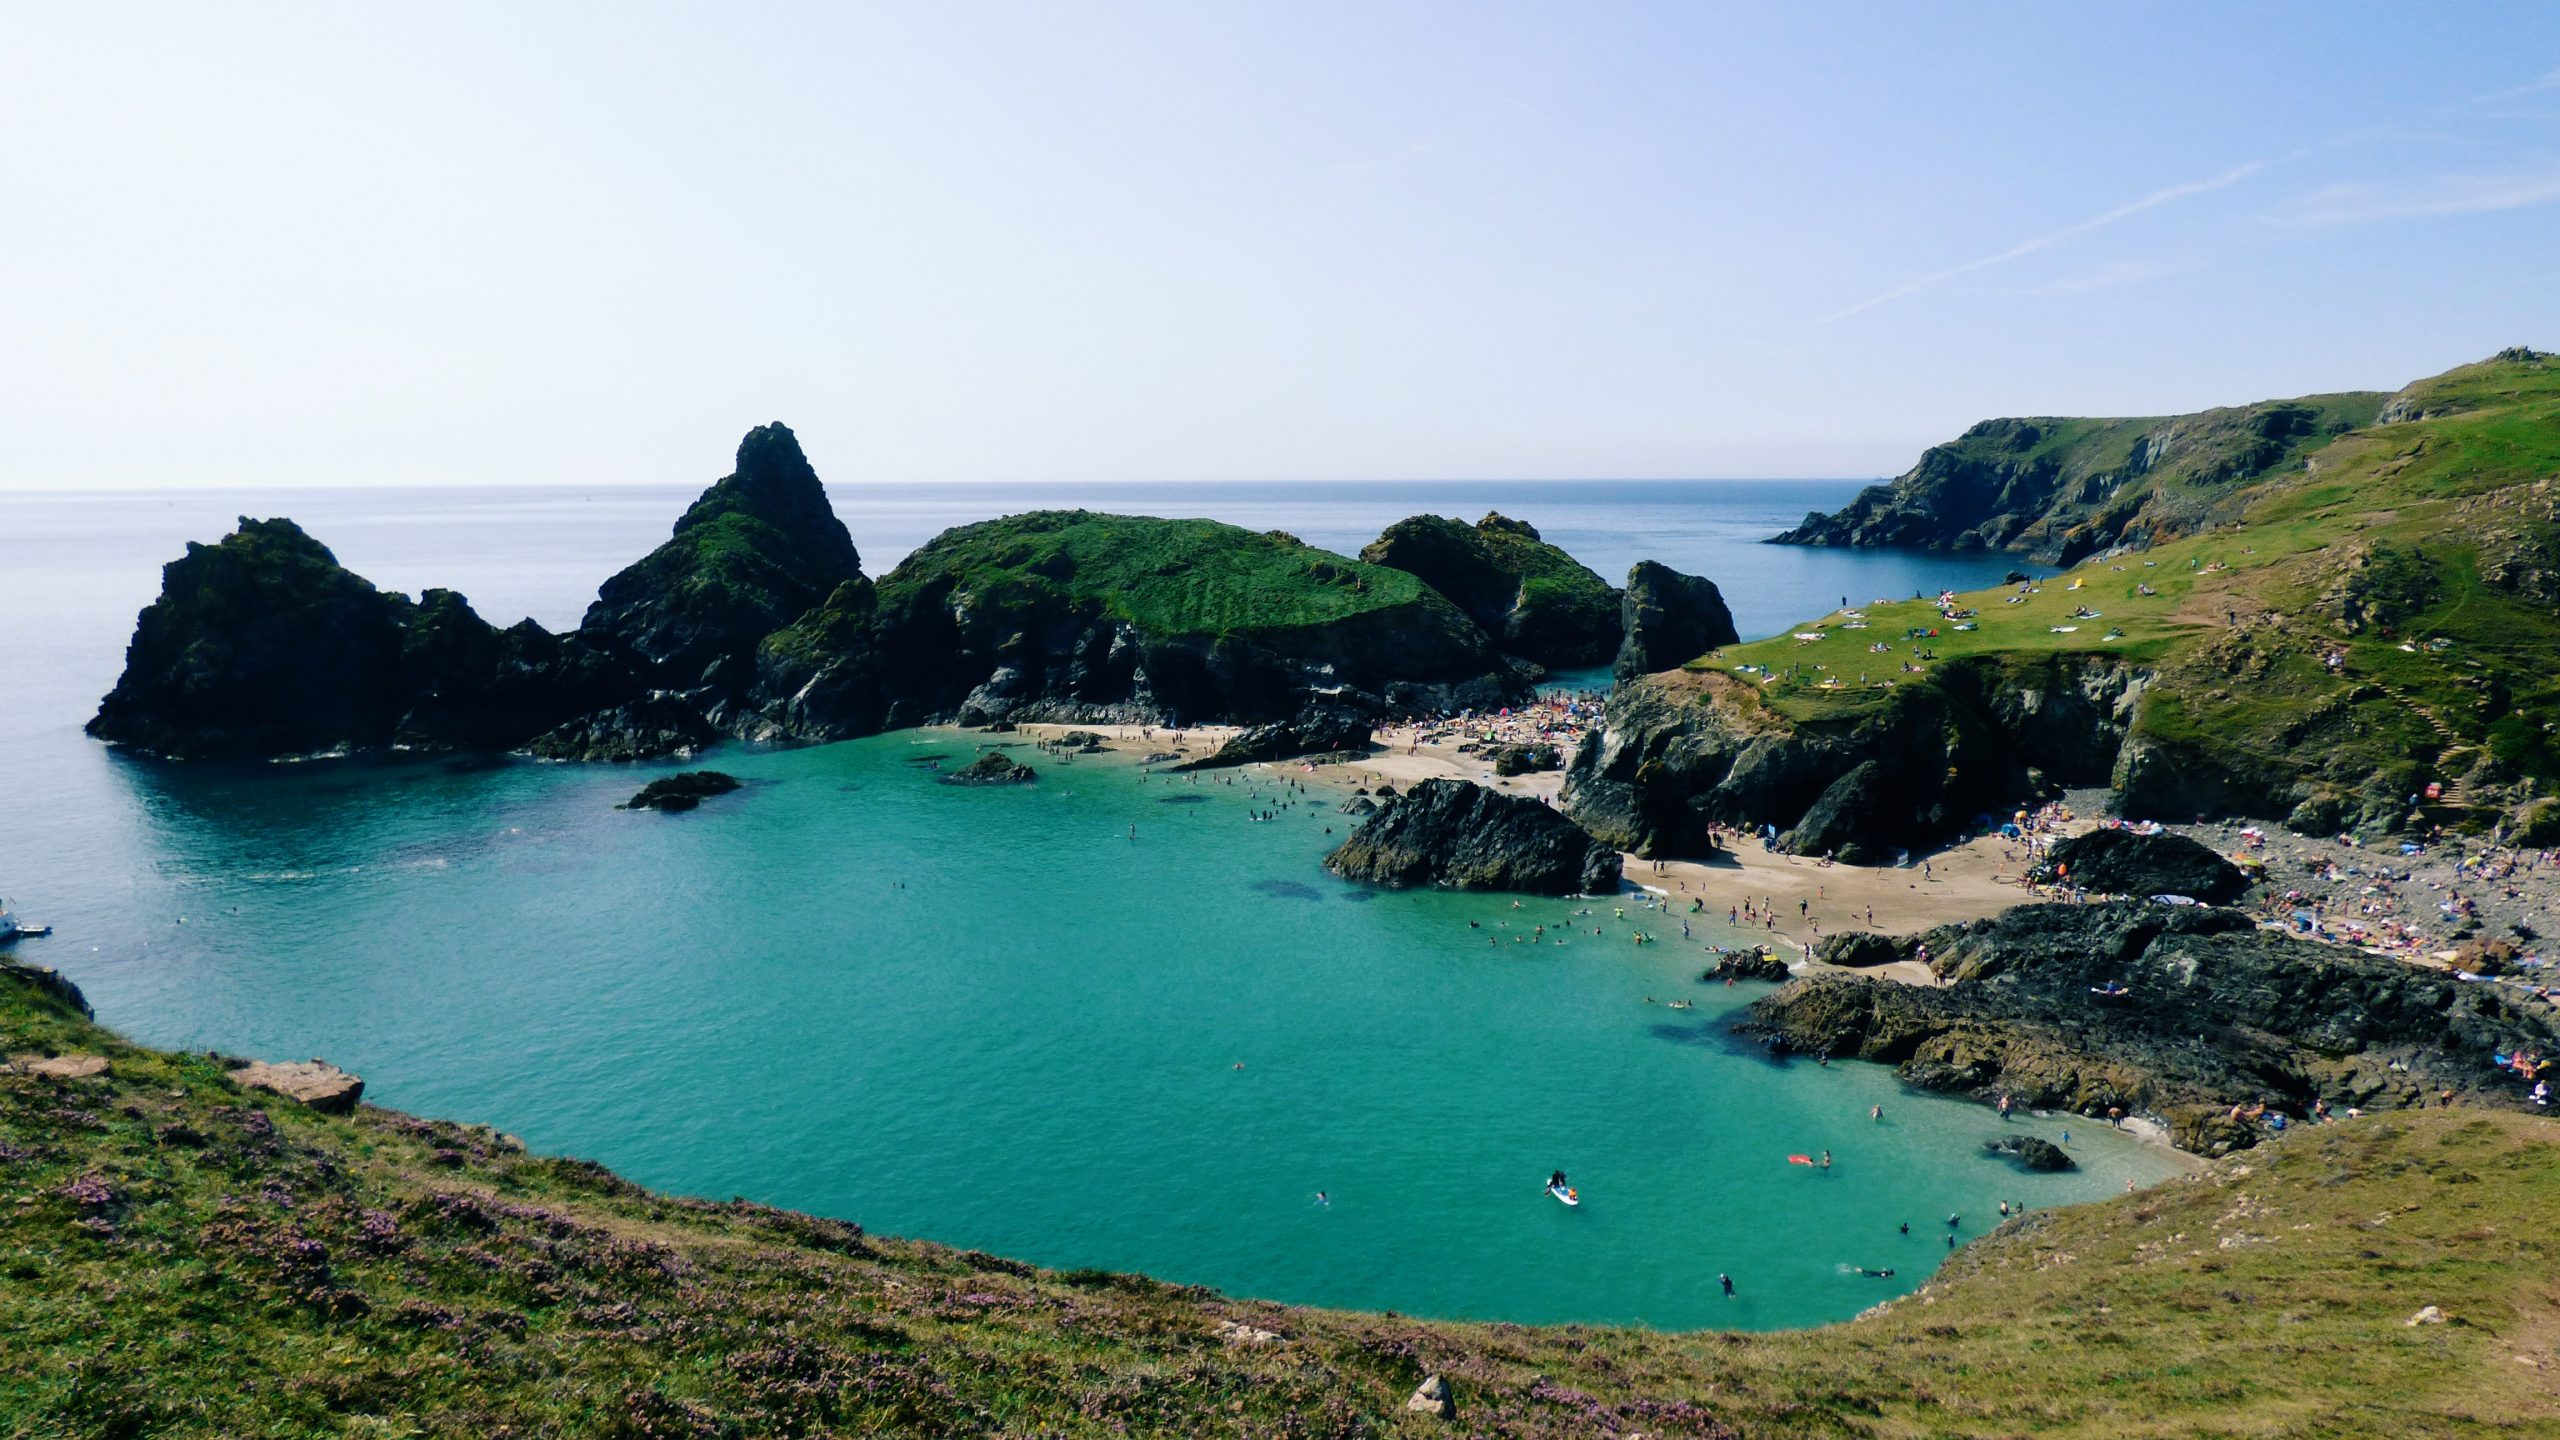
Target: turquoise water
988,1017
979,1016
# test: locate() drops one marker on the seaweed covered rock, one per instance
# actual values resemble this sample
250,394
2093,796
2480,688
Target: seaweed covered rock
993,768
682,791
1669,619
2117,861
1449,832
1536,601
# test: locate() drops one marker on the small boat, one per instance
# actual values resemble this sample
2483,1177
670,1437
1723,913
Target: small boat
1566,1194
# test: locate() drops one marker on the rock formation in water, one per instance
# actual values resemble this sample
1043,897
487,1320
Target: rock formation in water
684,790
754,620
1669,619
2115,861
1449,832
2030,1152
1536,601
2215,1013
265,645
993,768
1078,617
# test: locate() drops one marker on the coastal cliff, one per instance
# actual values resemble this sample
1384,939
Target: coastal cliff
2215,1013
2336,620
1534,600
2062,488
1677,753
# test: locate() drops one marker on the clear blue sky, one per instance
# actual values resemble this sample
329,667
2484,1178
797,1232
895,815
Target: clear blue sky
263,244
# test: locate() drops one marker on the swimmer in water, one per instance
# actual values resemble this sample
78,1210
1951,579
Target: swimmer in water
1727,1282
1323,1199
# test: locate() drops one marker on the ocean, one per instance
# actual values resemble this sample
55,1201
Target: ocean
986,1017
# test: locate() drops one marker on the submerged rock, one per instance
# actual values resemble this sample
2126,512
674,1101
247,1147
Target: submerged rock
1449,832
2120,862
1669,619
2030,1152
993,768
682,791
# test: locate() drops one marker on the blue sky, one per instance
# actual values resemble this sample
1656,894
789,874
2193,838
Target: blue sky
541,243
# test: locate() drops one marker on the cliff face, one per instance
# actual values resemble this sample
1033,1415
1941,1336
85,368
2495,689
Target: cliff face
2060,489
1679,751
1449,832
2218,1013
1533,599
1669,619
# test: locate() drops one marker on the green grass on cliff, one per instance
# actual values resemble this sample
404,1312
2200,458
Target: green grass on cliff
2423,556
181,1258
1171,577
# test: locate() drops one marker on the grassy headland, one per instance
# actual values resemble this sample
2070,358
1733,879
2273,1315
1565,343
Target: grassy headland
2365,618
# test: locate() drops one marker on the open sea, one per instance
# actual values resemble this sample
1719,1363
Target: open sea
986,1017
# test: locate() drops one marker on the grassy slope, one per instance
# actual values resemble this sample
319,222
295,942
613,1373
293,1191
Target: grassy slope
1173,577
178,1257
2440,487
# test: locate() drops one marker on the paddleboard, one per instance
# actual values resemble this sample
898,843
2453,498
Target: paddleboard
1799,1159
1568,1196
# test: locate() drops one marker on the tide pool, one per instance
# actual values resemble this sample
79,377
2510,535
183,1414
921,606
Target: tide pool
989,1017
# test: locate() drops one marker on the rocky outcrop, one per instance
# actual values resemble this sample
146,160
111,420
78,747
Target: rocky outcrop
993,768
315,1083
1076,617
758,550
265,645
682,791
1678,752
754,620
1466,837
1858,950
1321,730
2030,1152
1754,964
1536,601
2215,1013
1527,759
1669,619
2115,861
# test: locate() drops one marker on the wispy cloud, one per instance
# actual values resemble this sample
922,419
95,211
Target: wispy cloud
2050,239
2102,277
2368,203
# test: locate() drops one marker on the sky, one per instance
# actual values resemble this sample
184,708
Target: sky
526,243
